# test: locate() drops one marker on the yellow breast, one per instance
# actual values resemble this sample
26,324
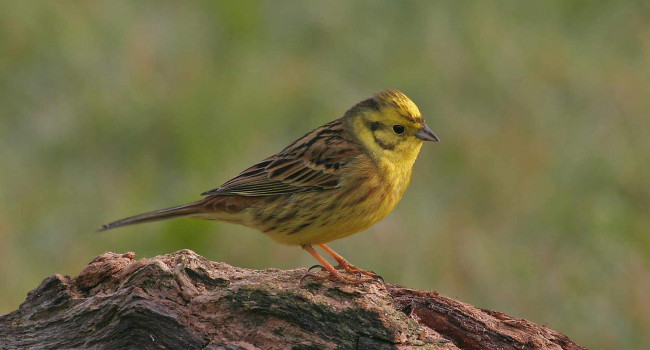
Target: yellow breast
364,198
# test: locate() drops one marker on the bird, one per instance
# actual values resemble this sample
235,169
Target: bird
335,181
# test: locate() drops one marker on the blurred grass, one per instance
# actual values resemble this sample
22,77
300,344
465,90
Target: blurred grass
536,203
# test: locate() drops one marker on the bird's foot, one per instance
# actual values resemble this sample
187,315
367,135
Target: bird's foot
331,275
353,270
354,275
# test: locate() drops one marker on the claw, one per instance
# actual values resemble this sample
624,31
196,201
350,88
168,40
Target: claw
329,276
376,277
308,274
321,267
380,280
359,274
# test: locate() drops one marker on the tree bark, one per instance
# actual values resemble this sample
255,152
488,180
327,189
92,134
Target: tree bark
184,301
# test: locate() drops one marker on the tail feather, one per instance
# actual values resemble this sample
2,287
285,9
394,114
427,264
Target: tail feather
163,214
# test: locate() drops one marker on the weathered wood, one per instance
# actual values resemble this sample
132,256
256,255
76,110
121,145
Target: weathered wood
184,301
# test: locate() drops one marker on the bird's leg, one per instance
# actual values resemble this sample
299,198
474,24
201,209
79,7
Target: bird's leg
345,265
333,274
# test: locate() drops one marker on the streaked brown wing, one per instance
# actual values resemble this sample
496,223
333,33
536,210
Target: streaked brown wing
313,162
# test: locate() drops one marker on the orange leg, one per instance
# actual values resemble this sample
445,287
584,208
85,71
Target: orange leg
333,274
344,264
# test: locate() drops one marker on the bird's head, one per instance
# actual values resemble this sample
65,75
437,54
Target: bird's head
390,126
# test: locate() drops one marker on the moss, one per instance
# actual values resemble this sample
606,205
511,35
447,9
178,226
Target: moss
200,277
342,327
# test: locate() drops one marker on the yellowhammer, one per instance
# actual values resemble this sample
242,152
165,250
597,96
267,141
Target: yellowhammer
335,181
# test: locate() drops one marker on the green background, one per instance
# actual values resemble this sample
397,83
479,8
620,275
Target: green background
536,202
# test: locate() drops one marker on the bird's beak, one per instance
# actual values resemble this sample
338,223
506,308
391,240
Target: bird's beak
426,134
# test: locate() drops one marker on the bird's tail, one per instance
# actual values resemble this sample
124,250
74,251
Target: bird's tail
162,214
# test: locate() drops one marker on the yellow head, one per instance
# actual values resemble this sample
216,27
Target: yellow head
390,126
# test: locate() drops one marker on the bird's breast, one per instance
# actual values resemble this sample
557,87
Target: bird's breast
365,196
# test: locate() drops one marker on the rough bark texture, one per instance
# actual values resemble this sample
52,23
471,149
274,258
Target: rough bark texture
184,301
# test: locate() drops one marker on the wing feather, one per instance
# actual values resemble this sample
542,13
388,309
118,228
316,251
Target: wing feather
314,162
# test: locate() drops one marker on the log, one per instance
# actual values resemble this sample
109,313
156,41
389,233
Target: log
185,301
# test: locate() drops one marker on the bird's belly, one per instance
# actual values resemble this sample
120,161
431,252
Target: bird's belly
323,218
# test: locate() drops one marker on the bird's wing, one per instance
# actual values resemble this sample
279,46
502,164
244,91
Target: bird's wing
313,162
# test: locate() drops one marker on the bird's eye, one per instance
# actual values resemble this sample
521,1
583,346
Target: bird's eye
398,129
